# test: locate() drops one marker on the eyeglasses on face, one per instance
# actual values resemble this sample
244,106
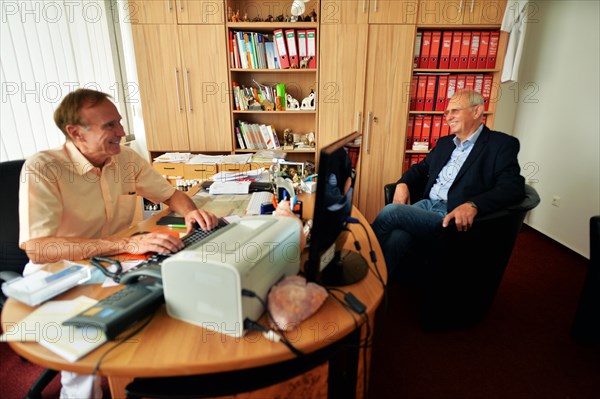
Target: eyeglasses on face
455,111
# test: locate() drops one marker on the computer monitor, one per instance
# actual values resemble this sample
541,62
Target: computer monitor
327,264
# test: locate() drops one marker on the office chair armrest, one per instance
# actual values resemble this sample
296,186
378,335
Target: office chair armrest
8,275
388,191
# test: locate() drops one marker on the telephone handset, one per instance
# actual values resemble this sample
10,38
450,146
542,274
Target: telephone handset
130,276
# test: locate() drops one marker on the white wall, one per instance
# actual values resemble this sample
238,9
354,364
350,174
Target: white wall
555,113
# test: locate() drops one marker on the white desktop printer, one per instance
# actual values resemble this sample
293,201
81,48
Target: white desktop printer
203,283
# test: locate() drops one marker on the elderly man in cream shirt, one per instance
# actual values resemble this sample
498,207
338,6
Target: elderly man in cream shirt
73,199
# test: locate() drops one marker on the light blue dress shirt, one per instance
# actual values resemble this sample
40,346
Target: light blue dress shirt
439,191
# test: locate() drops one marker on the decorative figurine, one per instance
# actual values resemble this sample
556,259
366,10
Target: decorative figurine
267,105
304,62
297,10
280,18
270,18
313,16
309,139
292,103
236,17
309,102
288,139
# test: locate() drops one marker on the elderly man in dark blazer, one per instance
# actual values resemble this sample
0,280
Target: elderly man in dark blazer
472,172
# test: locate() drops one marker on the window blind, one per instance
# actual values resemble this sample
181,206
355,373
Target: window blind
48,49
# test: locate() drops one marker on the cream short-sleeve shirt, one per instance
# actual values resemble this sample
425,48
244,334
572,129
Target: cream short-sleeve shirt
63,195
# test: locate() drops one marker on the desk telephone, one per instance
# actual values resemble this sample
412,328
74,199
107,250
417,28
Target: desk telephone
117,312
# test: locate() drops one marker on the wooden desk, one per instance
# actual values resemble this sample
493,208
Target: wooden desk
169,347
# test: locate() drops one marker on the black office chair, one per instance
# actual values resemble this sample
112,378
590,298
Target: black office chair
459,279
586,327
12,258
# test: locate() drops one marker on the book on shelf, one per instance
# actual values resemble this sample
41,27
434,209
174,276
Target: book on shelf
255,136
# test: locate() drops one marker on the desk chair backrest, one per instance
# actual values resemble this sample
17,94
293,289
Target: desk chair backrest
12,258
586,327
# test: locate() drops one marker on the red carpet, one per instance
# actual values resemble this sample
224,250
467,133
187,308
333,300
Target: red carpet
521,351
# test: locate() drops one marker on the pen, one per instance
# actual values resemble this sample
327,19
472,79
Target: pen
274,200
178,226
293,202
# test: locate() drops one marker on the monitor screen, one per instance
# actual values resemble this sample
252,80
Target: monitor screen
327,264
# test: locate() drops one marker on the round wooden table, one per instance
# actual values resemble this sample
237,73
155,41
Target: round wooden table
169,347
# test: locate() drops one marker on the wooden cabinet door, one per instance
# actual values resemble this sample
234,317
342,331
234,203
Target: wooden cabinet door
372,11
484,12
387,103
458,12
441,12
161,87
206,87
152,12
341,80
393,11
200,11
344,12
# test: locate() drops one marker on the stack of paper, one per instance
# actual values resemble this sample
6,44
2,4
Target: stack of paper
229,187
238,158
176,157
205,159
254,174
44,325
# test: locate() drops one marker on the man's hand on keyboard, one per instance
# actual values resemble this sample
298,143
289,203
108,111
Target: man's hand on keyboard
153,242
199,217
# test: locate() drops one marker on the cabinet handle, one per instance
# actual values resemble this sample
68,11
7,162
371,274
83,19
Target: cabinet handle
358,118
181,6
187,86
169,6
375,6
177,86
472,4
368,132
460,7
364,6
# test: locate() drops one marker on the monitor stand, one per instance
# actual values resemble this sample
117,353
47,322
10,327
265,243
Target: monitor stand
347,267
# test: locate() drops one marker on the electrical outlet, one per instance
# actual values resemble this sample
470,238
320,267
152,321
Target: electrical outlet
556,201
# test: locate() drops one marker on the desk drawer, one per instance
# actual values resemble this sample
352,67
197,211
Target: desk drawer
234,167
199,171
169,169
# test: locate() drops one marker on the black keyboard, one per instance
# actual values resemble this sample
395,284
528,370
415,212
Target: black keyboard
119,311
188,240
254,186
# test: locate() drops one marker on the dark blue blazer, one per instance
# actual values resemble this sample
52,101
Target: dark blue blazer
490,176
